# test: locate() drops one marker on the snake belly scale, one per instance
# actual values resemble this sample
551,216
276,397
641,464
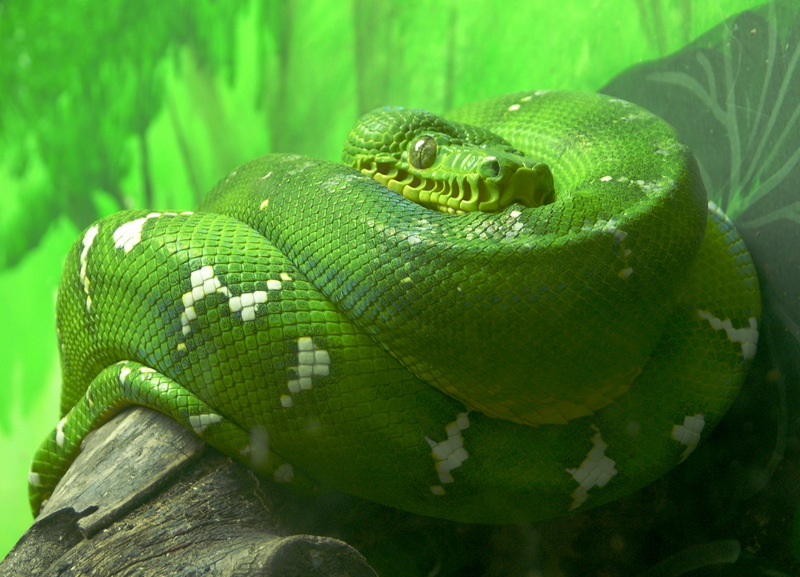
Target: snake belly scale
466,353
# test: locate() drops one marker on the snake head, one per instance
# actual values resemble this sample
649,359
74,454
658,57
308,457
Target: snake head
443,165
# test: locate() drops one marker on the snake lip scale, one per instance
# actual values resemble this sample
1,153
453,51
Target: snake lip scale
523,308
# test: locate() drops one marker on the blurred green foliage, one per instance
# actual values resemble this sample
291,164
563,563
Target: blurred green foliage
97,97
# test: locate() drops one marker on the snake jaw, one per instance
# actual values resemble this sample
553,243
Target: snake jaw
529,184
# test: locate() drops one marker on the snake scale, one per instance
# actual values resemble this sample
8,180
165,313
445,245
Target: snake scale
548,316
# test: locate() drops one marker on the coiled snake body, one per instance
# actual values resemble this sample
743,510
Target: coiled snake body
565,328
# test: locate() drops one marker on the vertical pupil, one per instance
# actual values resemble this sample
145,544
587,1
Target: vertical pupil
423,152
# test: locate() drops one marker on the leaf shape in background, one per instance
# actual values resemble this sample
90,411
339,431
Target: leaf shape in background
734,96
81,113
392,72
23,219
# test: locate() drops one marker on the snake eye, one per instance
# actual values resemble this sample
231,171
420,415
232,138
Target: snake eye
422,152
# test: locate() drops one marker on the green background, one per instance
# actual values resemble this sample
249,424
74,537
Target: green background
117,104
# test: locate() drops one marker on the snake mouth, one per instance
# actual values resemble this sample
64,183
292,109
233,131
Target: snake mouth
528,186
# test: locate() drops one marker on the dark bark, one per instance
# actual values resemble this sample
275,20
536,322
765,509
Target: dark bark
140,500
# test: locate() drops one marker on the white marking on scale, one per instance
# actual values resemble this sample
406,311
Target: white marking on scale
596,470
745,336
606,178
689,432
201,422
612,229
513,107
285,277
311,361
123,374
34,479
88,239
60,437
264,204
449,454
128,235
246,304
204,283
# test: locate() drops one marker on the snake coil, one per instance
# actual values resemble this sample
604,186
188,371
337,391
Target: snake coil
523,310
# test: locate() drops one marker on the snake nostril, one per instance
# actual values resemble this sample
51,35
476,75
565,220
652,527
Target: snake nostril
490,168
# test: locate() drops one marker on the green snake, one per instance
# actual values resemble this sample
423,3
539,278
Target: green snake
547,317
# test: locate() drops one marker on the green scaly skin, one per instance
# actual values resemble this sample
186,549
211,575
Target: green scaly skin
493,367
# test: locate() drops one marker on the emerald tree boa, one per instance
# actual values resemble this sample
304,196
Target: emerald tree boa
548,316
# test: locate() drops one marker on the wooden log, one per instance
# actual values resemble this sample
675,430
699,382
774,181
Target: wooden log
140,500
